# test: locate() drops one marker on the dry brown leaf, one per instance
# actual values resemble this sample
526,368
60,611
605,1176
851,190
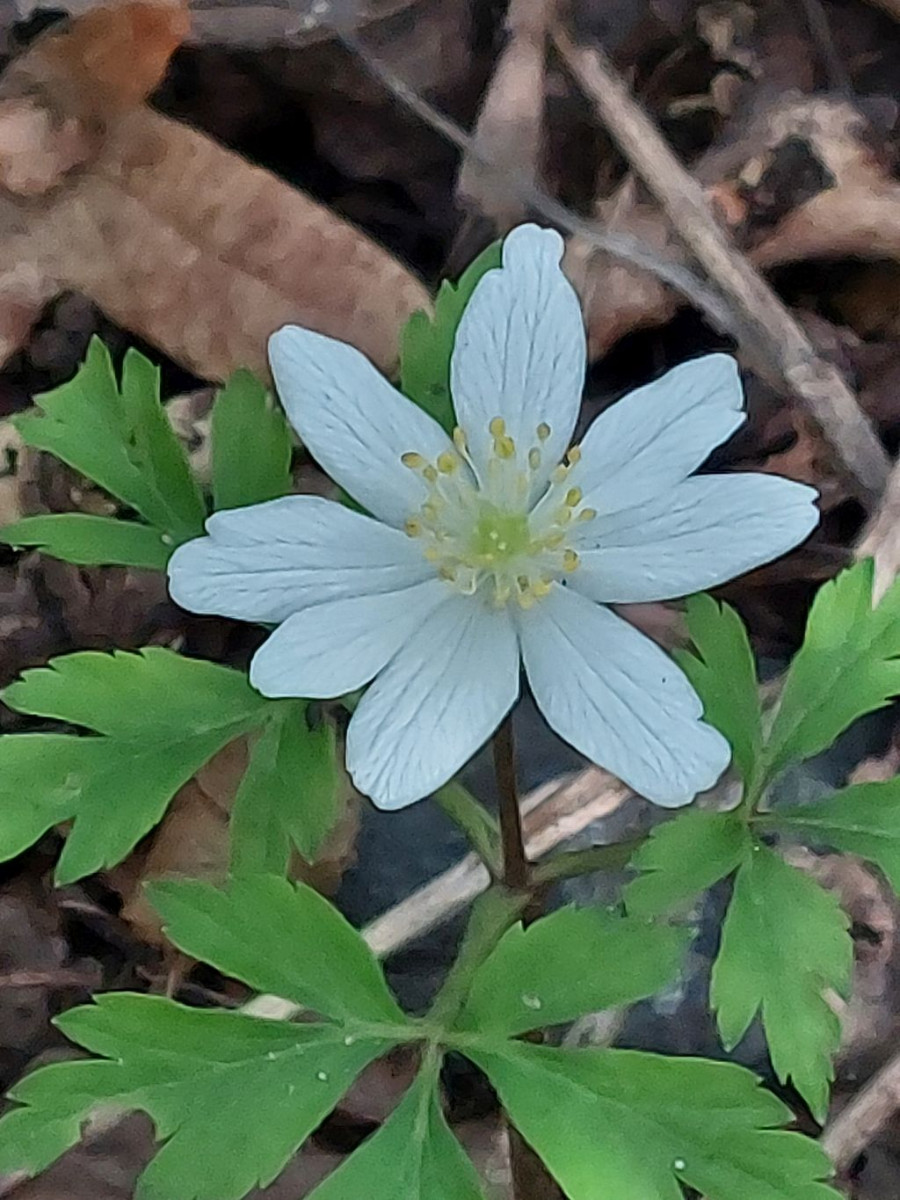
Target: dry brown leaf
177,239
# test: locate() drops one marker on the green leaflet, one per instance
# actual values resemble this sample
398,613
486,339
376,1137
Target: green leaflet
119,437
848,665
92,541
784,943
683,857
426,344
278,937
159,718
233,1096
862,819
723,671
635,1126
576,960
251,445
413,1156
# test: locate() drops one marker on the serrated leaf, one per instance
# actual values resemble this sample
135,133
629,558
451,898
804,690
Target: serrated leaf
92,541
160,717
785,942
289,794
251,445
575,961
632,1125
426,344
121,439
684,857
848,665
231,1096
723,672
862,819
413,1156
278,937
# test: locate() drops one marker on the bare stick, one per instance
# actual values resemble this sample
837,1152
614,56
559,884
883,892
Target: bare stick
775,344
870,1110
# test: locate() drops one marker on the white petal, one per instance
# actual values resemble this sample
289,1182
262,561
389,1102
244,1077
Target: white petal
619,700
657,435
520,350
265,562
334,648
435,703
708,529
353,422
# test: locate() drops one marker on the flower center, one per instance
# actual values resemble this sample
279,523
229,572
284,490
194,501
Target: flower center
482,530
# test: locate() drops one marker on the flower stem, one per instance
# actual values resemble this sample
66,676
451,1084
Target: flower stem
516,868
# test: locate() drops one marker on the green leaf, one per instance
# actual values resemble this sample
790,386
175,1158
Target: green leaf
848,665
684,857
232,1097
632,1125
160,717
93,541
251,445
784,942
289,793
413,1156
575,961
723,671
862,819
278,938
426,344
121,439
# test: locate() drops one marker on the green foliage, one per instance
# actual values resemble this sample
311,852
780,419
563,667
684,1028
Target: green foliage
784,942
426,344
683,857
574,961
92,541
632,1125
159,717
278,938
848,665
251,445
413,1156
723,670
119,437
233,1096
862,819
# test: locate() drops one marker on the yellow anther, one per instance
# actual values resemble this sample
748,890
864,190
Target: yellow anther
574,456
554,540
447,573
414,461
542,588
447,463
523,583
543,431
534,458
559,473
526,599
497,427
504,447
432,553
563,516
413,527
570,560
587,514
430,473
459,439
573,497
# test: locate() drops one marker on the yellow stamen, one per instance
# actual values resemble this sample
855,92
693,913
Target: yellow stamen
559,473
587,514
574,456
430,473
573,497
504,447
570,560
414,461
413,527
534,458
497,427
543,431
447,463
459,439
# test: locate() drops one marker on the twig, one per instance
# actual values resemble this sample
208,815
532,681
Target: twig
621,245
775,344
553,814
870,1110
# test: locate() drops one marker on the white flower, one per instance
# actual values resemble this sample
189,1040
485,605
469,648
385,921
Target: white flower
495,546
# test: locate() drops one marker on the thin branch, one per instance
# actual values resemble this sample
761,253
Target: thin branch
870,1111
775,343
620,245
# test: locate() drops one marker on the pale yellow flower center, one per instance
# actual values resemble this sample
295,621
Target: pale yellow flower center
482,531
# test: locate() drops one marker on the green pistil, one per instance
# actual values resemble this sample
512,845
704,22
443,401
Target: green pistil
499,536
